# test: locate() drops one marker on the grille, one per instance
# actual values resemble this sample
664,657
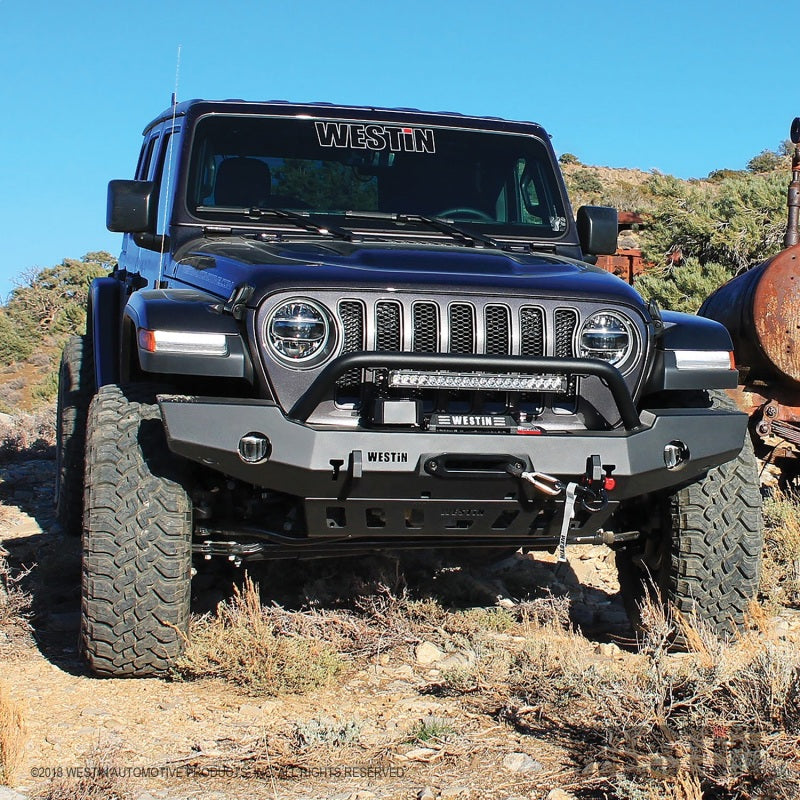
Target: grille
461,335
388,333
498,334
462,328
531,331
351,314
425,327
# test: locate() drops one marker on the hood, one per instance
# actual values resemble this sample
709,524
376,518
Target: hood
220,265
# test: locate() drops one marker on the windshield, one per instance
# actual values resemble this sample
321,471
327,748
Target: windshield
501,182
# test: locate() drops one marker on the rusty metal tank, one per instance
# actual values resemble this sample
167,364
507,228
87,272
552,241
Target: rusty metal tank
761,310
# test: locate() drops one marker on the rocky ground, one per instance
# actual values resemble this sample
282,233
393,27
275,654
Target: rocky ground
384,731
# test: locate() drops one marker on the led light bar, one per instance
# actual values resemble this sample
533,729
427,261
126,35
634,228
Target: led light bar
704,359
452,380
200,344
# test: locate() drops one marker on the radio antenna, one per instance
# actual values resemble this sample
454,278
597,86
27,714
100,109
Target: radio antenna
167,194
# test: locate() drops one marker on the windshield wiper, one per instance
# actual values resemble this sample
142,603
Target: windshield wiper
470,239
301,221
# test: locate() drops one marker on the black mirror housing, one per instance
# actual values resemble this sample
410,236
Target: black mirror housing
131,206
598,227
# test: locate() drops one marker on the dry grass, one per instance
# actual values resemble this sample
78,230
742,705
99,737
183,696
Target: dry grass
780,581
720,721
723,720
12,737
99,776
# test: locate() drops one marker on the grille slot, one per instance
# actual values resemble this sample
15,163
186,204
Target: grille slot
462,328
566,320
531,331
425,319
498,333
351,314
388,332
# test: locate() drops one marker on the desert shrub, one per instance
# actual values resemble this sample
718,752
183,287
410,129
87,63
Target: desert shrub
33,433
682,287
242,644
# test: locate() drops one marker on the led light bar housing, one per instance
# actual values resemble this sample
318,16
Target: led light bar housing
183,342
409,379
704,359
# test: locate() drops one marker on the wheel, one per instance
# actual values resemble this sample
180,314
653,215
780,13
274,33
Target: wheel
137,539
703,553
465,210
75,390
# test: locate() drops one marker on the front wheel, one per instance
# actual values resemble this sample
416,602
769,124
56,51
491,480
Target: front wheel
703,554
137,540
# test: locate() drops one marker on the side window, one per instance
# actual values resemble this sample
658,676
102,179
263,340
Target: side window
146,158
165,177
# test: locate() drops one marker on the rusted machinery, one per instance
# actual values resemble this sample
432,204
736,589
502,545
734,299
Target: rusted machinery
761,309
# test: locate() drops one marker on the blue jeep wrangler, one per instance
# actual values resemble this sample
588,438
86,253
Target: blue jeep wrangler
335,330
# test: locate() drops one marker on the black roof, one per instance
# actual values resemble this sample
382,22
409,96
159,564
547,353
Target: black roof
333,110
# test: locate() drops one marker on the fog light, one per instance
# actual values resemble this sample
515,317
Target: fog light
254,447
675,453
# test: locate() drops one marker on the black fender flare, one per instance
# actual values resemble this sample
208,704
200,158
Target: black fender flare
187,310
103,324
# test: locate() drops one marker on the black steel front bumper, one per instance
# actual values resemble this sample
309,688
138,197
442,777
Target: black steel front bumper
375,483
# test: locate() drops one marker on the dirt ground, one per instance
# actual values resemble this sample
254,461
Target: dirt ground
382,732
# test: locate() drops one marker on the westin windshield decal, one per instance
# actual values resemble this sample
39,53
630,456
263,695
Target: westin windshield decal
375,137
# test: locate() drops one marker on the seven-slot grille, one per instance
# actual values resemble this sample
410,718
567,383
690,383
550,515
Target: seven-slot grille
426,326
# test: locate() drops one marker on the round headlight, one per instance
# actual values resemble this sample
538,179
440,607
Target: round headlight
298,331
607,336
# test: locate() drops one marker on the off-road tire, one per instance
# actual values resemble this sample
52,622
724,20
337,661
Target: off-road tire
75,391
137,539
704,557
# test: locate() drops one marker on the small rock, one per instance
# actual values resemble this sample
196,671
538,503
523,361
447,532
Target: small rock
455,660
506,602
93,711
10,794
608,649
454,793
420,754
781,628
559,794
428,653
521,762
383,659
426,794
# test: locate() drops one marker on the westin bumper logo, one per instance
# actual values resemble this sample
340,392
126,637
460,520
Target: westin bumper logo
375,137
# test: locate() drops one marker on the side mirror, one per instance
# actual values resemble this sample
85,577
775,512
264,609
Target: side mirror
132,206
598,227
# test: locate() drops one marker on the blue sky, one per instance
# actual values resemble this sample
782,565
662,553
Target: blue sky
684,87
